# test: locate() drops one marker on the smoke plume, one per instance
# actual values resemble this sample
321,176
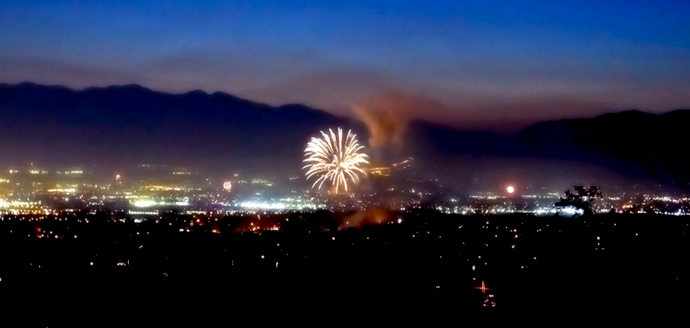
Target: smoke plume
387,116
385,122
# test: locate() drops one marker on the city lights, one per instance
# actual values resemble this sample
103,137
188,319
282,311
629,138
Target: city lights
319,163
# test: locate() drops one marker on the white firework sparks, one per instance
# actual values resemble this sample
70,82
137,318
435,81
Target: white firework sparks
334,159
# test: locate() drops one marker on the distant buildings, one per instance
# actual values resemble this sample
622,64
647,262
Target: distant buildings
383,171
400,186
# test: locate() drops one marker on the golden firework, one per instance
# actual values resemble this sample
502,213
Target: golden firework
335,159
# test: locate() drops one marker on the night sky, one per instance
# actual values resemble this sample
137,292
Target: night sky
480,64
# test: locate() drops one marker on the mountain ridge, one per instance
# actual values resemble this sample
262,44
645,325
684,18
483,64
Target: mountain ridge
116,125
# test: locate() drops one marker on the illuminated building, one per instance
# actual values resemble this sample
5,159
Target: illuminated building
383,171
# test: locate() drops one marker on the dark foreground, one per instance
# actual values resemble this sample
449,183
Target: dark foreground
601,269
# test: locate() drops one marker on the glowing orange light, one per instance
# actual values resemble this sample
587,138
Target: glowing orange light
227,185
483,288
510,189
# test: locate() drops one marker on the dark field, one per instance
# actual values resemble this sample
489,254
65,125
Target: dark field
374,275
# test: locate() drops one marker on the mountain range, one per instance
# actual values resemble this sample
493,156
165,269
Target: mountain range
126,125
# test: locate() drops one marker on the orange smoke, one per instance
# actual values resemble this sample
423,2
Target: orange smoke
387,114
385,126
374,216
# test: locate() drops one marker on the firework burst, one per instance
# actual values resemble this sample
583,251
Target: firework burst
334,159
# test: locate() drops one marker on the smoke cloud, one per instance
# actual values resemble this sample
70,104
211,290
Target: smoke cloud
388,113
386,126
375,216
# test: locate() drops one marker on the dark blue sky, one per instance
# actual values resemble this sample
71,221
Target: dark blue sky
480,61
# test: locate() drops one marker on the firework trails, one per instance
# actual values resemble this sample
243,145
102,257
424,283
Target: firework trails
334,159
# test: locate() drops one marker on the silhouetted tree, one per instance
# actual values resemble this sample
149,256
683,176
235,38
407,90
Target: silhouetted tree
583,200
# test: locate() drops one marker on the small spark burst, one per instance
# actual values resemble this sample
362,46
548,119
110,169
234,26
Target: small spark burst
335,159
483,288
